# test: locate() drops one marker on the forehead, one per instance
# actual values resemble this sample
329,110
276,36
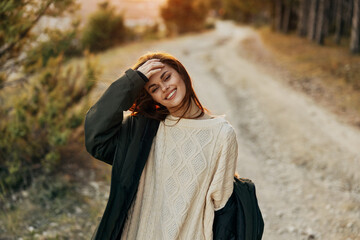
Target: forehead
156,77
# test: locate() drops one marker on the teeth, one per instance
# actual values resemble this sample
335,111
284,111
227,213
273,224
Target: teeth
171,94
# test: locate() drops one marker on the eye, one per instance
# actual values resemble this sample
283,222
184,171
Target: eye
167,77
154,89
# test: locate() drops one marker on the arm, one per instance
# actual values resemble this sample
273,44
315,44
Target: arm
222,183
103,121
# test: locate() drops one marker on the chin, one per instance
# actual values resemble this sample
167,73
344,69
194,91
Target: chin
175,105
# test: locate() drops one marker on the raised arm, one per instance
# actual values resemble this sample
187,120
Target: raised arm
104,120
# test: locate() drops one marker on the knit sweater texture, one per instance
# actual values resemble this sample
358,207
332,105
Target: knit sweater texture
188,175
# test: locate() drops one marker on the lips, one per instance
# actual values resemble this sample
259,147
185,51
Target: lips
170,95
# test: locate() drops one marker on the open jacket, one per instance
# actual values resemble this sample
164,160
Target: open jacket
125,144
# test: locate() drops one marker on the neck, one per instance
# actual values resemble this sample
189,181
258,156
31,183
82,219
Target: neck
193,111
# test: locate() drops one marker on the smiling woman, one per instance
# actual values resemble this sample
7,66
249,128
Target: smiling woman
167,179
168,89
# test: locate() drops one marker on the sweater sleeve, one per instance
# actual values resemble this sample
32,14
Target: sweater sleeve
221,186
103,121
222,181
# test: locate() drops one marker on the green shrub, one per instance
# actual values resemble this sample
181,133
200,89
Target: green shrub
46,189
38,120
59,42
104,29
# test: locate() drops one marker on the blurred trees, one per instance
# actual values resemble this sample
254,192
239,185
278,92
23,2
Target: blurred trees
355,30
181,16
244,11
104,29
314,19
39,115
318,19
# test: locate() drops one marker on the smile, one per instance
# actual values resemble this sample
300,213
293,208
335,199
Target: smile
169,97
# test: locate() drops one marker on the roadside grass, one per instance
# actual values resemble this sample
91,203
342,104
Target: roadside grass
330,74
66,205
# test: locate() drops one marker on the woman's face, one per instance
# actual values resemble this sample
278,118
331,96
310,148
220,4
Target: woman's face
167,88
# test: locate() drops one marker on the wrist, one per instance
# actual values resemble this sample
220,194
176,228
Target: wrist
142,76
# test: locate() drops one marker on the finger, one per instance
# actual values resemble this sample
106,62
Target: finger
151,61
156,65
154,59
146,69
150,67
153,64
152,72
149,64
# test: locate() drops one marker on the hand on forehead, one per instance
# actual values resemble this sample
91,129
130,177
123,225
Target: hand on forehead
151,67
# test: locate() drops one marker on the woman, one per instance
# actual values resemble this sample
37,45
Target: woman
173,163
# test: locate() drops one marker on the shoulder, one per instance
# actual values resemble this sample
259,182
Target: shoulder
139,123
138,119
226,130
226,143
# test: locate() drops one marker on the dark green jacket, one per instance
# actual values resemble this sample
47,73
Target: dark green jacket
123,143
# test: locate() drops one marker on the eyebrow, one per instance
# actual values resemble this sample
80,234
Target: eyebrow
161,77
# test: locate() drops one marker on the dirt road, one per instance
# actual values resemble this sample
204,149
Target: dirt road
303,160
305,163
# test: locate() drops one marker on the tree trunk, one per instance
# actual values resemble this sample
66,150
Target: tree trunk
322,22
273,14
355,29
303,18
287,16
313,19
348,16
339,21
279,14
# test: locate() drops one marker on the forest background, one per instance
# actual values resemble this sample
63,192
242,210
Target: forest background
50,73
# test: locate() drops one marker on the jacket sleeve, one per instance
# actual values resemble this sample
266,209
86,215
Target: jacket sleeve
104,120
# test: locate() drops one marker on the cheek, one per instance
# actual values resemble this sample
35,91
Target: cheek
156,97
183,86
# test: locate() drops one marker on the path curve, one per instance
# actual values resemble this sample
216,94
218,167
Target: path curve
304,161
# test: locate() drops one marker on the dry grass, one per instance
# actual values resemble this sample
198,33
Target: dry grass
329,74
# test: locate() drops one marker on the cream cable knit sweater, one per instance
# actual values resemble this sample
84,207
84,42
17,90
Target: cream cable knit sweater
188,175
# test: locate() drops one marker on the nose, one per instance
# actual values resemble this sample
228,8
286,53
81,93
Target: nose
164,87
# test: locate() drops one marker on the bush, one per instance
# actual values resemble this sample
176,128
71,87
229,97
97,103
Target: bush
181,16
60,42
151,31
39,119
104,29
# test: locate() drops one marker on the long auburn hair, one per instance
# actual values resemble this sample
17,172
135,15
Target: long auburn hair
144,103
